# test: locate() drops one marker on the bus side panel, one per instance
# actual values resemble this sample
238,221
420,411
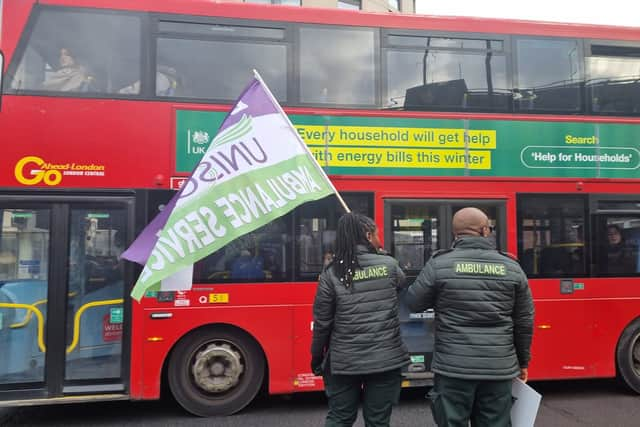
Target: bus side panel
271,327
136,383
12,28
303,379
576,335
141,167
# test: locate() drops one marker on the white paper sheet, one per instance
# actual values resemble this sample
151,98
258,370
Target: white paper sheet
525,408
179,281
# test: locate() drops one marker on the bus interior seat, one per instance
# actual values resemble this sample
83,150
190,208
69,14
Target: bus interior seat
615,96
485,101
559,98
562,260
441,94
554,260
528,261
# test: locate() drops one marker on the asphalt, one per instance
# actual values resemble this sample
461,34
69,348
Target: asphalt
5,414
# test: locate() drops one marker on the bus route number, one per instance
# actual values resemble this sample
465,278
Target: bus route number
218,298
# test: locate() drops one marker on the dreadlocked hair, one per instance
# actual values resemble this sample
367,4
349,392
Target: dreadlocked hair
352,231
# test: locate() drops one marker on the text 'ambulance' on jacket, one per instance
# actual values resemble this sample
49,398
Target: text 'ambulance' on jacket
359,324
484,311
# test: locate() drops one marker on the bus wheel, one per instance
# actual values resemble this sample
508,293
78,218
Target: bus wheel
628,356
216,371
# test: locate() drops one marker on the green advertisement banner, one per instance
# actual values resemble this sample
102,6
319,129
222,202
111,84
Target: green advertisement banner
348,145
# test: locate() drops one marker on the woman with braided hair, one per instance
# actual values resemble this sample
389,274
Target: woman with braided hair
356,344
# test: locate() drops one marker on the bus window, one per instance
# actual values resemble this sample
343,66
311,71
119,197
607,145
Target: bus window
620,249
425,72
96,241
97,237
70,51
613,84
616,238
316,231
549,75
24,269
551,239
415,235
259,256
193,51
346,54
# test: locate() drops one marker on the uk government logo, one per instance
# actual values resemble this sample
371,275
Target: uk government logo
33,170
197,141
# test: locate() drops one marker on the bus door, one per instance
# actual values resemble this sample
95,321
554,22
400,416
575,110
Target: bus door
414,230
62,296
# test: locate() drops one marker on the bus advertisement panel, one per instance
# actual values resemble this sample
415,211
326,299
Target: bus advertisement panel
356,145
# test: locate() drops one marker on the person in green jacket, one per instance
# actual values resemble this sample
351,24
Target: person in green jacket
356,343
483,325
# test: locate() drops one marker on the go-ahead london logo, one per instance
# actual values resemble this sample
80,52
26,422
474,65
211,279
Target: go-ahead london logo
33,170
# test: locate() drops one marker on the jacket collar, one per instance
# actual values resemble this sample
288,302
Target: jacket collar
363,249
473,242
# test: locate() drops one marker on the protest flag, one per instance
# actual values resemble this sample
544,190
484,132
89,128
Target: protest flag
255,170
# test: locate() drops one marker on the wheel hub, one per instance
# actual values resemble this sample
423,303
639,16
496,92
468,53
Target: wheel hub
217,368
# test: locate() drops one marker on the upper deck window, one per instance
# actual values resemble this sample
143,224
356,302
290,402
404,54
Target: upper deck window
215,61
549,75
428,73
350,4
337,66
445,42
80,52
281,2
219,30
613,83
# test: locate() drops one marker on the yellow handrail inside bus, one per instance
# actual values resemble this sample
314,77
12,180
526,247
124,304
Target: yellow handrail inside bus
81,310
27,318
34,309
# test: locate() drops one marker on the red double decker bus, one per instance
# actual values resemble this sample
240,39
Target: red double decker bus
107,105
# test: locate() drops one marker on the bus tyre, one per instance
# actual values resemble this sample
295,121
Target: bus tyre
628,356
216,371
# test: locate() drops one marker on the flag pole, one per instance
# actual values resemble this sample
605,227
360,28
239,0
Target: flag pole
300,141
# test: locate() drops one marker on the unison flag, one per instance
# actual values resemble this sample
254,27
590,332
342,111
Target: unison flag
255,170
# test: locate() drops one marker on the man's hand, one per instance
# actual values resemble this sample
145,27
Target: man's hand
524,374
316,365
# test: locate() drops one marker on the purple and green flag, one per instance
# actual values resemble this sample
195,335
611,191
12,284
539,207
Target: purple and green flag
255,170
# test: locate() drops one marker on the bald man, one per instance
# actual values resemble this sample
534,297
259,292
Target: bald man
483,325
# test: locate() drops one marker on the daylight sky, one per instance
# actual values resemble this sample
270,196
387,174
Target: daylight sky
608,12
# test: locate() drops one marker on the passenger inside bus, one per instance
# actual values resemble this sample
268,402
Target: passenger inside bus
566,258
248,266
620,256
327,258
69,77
167,82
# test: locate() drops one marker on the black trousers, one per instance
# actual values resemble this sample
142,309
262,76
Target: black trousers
455,402
378,392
